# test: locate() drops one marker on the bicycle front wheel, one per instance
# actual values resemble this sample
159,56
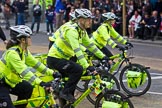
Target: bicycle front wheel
113,99
135,79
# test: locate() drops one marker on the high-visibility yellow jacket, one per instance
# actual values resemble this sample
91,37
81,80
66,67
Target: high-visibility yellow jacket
102,36
57,33
40,2
68,45
16,66
48,2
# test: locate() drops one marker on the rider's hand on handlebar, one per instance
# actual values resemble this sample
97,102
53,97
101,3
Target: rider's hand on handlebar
46,85
56,75
121,48
92,70
129,44
107,59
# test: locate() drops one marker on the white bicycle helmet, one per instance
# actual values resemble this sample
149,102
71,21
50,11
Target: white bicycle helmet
20,31
84,13
72,15
108,16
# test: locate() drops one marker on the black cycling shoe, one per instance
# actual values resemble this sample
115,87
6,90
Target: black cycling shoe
68,97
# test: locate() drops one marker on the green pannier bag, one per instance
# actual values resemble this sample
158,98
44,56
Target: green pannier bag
38,91
108,104
133,79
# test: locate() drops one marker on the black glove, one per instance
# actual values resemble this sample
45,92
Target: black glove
91,68
57,75
45,84
129,44
121,48
105,58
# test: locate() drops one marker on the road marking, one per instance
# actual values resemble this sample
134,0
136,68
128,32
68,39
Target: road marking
147,44
148,58
155,74
156,77
149,92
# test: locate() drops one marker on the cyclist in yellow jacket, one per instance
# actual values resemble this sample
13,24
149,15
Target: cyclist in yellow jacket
57,33
16,76
102,36
66,50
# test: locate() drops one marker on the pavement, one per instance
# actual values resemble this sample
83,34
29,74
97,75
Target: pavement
43,30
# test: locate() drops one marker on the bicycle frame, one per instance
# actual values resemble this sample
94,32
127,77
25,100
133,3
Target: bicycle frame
45,103
122,58
89,90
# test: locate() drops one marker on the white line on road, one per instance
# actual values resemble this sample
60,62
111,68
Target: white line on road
149,58
157,93
156,73
147,44
156,77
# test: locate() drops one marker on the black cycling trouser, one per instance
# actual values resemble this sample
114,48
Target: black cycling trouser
67,68
23,90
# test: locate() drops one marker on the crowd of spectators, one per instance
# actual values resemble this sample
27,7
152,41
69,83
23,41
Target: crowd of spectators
136,10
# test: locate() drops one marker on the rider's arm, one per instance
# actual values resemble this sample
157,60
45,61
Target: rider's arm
117,36
33,62
82,47
92,47
19,66
72,36
104,32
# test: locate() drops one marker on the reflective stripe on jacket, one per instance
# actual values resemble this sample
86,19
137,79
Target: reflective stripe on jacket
16,66
57,33
102,36
68,45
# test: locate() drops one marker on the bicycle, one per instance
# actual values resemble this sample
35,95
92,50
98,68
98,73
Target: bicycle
122,58
104,89
134,78
106,95
40,98
81,86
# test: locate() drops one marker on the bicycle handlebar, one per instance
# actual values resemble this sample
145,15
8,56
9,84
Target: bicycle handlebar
57,85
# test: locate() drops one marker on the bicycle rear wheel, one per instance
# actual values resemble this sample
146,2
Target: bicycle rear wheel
113,99
138,82
105,77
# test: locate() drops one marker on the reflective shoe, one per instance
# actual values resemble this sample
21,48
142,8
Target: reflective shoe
68,97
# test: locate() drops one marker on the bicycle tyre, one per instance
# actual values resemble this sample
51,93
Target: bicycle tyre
143,88
109,96
91,97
